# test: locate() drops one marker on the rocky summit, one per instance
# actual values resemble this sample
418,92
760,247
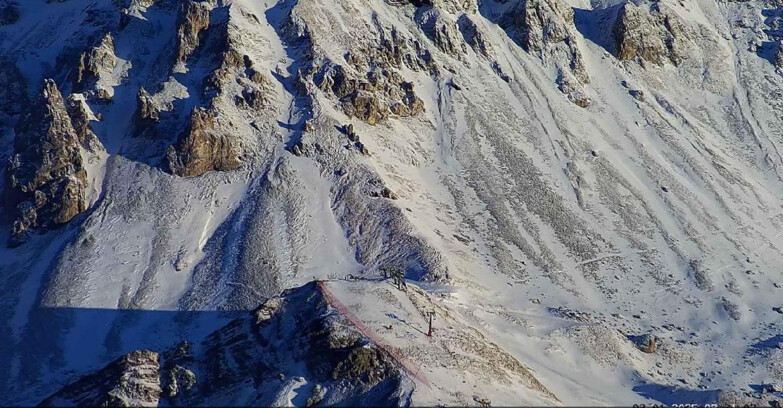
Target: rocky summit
391,202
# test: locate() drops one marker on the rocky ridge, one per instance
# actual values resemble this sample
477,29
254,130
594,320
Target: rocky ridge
45,177
299,346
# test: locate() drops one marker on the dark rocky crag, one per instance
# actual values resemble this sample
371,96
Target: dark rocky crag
147,114
13,88
202,147
45,177
9,12
92,63
131,380
193,17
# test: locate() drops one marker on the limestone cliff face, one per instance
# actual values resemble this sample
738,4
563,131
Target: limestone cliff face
193,18
656,35
546,28
366,81
132,380
369,87
206,37
202,147
94,63
45,177
382,94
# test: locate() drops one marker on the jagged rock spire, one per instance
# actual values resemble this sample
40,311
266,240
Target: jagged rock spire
45,177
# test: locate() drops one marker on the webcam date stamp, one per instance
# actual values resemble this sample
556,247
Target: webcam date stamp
688,405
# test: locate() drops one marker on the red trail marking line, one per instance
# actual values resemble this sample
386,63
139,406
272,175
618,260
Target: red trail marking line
366,332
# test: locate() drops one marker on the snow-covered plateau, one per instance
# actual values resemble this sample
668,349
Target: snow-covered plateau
272,202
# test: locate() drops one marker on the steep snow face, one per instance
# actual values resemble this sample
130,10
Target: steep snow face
566,175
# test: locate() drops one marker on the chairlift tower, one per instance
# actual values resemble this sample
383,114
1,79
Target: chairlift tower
431,314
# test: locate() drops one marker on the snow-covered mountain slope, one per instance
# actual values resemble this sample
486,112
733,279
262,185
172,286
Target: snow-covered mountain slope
572,178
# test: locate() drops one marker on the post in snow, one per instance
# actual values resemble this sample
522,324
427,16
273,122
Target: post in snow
431,314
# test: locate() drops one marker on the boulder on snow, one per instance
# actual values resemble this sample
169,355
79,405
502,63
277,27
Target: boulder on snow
647,343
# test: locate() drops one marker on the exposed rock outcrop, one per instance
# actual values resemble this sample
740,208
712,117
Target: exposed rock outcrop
247,361
249,86
451,6
393,51
474,36
656,35
132,380
9,12
147,113
368,84
178,379
206,37
384,92
87,61
94,63
538,23
546,28
193,17
442,31
13,88
232,77
80,119
202,147
45,177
